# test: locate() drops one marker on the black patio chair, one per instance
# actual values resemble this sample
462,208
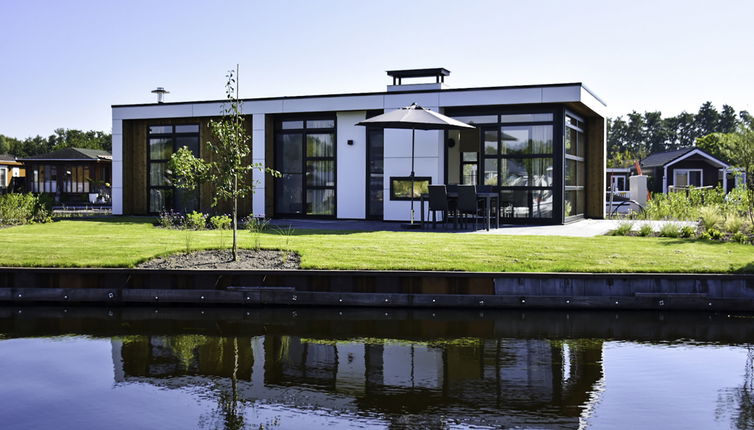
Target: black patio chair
468,204
438,202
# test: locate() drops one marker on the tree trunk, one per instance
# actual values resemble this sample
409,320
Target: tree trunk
235,218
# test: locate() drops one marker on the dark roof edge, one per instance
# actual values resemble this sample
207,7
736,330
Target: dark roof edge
569,84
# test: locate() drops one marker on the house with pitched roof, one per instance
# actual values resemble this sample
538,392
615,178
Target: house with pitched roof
683,168
71,175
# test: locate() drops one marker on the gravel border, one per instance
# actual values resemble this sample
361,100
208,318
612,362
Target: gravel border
221,259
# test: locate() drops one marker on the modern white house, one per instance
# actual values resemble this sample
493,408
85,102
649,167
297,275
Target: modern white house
542,148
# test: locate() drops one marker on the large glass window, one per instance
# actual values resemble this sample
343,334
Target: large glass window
163,141
305,157
518,160
375,173
574,143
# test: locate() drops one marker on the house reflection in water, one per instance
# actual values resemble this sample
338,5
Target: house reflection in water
488,382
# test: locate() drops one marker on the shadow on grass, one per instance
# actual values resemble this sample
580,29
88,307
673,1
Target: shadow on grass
110,219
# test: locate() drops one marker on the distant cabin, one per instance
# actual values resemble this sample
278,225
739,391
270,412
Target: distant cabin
70,175
684,168
11,173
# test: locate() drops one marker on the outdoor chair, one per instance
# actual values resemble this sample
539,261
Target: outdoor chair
468,204
438,202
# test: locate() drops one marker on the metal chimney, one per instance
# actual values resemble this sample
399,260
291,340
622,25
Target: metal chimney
160,91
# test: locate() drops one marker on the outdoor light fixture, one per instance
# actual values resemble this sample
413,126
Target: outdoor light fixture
451,142
160,91
350,142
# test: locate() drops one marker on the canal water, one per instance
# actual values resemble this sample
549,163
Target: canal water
284,368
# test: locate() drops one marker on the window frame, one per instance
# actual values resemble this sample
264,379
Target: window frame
687,171
173,136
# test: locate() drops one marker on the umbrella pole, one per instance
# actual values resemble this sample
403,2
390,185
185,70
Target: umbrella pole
413,133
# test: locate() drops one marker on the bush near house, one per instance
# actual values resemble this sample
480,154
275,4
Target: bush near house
18,209
721,217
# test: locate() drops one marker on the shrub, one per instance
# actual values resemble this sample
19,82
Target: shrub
169,219
195,221
670,230
734,224
17,209
646,230
623,229
712,234
220,222
710,217
256,225
740,237
687,231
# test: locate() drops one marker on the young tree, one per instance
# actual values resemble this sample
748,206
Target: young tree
230,169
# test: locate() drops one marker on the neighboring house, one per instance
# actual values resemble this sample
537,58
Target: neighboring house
71,175
11,173
684,168
616,179
541,147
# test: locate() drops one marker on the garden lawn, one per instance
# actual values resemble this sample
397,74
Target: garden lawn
125,242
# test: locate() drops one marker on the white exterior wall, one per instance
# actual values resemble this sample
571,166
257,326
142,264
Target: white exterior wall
351,165
351,160
116,189
257,156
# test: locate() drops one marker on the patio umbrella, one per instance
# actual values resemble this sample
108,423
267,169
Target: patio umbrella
414,117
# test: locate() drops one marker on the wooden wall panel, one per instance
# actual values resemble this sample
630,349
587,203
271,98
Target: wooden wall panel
596,162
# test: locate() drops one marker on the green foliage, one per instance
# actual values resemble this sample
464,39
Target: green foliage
710,217
646,230
63,138
184,170
170,219
623,229
257,226
18,209
740,237
195,221
736,147
230,170
636,135
686,206
712,234
129,241
670,230
734,223
687,231
220,222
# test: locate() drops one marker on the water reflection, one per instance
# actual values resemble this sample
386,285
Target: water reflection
499,382
370,369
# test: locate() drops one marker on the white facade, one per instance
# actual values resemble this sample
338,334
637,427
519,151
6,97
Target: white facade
349,110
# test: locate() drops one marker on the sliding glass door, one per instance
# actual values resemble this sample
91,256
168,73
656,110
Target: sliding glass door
305,156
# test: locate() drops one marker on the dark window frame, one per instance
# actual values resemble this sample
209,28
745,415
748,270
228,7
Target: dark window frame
173,136
304,131
393,197
578,120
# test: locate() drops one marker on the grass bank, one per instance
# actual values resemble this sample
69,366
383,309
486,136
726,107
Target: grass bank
125,242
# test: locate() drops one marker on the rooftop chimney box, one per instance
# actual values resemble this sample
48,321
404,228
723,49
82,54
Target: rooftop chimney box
398,75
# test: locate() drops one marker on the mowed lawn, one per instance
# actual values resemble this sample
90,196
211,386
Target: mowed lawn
125,242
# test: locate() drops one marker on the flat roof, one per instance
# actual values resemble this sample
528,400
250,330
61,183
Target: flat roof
377,93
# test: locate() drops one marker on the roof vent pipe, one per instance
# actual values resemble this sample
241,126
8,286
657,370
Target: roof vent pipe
160,91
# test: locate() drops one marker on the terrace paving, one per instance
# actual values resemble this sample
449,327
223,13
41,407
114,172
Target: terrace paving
581,228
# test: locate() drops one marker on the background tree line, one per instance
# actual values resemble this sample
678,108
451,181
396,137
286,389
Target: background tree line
62,138
638,135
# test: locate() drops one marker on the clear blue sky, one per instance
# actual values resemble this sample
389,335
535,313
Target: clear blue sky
63,63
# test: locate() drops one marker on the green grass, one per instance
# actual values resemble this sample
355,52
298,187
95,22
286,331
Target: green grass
124,242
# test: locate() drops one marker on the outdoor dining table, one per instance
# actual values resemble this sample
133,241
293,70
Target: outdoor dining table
488,198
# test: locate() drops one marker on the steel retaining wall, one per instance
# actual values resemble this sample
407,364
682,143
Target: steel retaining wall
379,289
